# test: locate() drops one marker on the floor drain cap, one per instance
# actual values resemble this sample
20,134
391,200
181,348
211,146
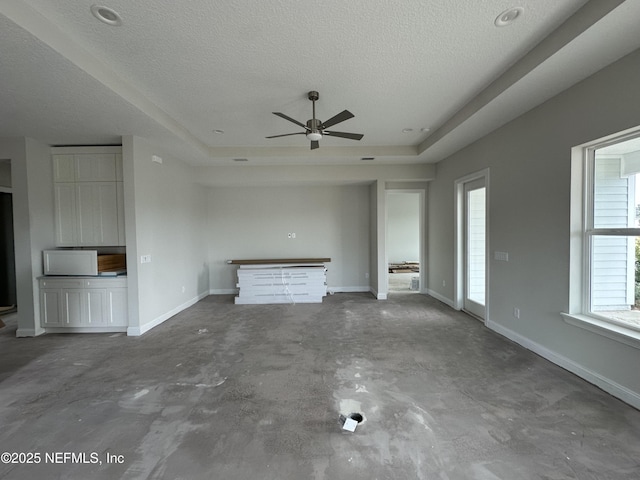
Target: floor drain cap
351,421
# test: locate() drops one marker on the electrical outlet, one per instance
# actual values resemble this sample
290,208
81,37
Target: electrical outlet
293,235
501,256
444,284
516,312
366,275
289,235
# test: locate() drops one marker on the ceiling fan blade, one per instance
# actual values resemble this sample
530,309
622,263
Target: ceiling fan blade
286,117
314,144
286,135
341,117
352,136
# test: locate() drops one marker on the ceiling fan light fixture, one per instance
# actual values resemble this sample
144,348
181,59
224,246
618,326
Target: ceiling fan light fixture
314,136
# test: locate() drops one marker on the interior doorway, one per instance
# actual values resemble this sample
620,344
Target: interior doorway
472,271
7,252
405,241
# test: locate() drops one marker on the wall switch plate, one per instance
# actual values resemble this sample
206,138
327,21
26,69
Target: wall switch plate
156,158
145,259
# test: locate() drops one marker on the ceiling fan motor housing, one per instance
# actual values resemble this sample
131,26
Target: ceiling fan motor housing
314,129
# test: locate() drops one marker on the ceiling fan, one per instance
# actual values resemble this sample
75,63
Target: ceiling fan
315,129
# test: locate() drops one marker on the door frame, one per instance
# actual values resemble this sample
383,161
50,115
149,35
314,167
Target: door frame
422,234
459,234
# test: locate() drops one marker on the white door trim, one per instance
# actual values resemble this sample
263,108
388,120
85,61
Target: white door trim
422,224
458,273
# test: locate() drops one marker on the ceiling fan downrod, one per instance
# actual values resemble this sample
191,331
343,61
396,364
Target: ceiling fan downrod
315,131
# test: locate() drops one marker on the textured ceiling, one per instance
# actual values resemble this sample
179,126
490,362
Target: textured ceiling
176,71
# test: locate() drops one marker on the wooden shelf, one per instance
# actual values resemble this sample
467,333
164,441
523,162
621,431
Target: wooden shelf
264,261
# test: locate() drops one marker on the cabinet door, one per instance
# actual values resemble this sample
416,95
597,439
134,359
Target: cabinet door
50,307
64,168
65,214
106,198
87,211
95,167
95,307
97,208
117,307
122,241
119,171
72,311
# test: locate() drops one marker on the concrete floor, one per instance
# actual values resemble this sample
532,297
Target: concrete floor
224,391
401,282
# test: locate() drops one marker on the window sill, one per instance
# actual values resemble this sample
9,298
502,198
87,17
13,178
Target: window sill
614,332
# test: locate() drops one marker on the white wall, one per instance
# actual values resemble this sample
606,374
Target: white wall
403,227
254,222
529,161
165,217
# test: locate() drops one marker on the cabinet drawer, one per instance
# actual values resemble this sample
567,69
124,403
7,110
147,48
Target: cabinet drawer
61,283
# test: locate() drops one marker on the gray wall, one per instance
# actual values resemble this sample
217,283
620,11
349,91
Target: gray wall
529,200
166,217
32,189
254,222
403,227
5,173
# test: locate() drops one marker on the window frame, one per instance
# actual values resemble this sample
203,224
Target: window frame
582,232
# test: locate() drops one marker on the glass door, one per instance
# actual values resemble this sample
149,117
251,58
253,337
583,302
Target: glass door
475,221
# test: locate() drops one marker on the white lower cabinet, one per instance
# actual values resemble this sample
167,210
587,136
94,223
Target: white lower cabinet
83,304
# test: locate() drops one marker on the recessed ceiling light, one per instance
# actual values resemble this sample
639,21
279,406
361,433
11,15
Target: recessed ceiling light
218,132
508,16
425,129
407,130
106,15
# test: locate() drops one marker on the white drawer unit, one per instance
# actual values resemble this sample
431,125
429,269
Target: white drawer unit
266,284
83,304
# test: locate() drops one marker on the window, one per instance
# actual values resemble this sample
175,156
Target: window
605,249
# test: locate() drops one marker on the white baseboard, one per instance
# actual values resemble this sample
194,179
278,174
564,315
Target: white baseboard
443,299
606,384
137,331
28,332
361,289
378,295
224,291
234,291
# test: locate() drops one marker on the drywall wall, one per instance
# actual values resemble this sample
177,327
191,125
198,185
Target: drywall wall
255,222
248,174
165,217
529,163
5,173
32,188
403,227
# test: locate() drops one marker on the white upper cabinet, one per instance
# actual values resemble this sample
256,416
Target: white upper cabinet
64,168
87,167
89,207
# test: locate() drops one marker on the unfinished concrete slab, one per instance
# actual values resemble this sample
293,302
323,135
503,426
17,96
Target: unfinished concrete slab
256,392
